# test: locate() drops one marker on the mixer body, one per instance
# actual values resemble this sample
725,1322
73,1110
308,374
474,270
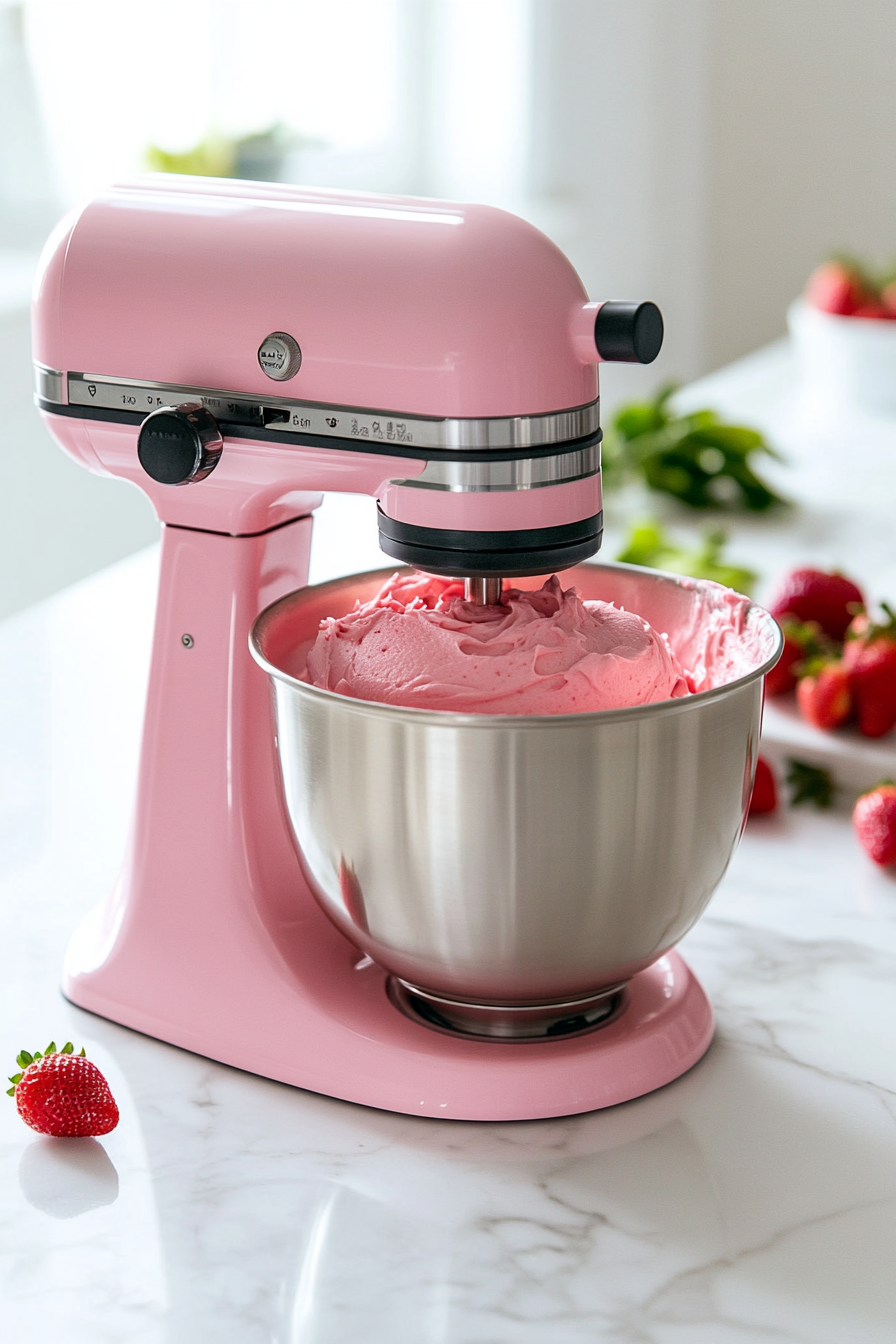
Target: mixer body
235,349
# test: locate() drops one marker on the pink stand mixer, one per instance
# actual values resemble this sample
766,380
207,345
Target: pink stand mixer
235,349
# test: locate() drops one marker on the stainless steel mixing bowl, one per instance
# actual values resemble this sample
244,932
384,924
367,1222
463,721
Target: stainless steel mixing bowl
514,871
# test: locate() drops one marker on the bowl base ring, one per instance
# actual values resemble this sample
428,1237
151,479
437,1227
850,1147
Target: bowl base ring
508,1022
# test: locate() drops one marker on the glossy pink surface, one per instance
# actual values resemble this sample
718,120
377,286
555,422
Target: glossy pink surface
397,303
493,510
212,941
254,486
260,485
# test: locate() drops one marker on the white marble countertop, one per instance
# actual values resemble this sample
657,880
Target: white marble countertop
753,1200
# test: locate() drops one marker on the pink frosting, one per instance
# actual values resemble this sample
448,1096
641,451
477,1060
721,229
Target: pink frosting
419,644
722,638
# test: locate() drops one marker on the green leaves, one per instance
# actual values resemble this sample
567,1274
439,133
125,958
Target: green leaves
24,1058
885,629
647,544
695,458
810,784
872,279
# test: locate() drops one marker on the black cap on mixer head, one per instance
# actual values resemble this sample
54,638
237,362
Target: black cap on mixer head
628,333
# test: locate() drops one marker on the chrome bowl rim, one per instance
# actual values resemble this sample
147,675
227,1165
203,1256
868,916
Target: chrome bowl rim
486,721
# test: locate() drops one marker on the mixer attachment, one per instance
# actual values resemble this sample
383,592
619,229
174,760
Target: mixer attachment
484,592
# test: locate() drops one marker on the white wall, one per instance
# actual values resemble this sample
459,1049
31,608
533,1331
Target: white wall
703,153
619,161
58,522
708,153
801,153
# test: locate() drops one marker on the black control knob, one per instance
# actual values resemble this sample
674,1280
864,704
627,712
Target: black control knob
178,445
628,333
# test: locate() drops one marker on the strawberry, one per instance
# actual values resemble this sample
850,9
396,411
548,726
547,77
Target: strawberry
869,652
765,793
854,639
877,311
802,640
874,822
816,595
824,695
888,297
63,1094
836,287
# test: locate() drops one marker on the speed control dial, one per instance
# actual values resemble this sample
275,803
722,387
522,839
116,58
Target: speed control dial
178,445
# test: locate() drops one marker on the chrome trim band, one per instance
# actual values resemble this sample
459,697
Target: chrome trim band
49,384
338,422
526,473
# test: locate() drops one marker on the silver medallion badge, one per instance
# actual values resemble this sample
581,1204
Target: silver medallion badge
279,356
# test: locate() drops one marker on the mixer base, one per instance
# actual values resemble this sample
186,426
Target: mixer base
326,1023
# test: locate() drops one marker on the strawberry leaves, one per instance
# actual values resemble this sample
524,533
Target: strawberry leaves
810,784
648,544
696,458
846,286
25,1059
876,629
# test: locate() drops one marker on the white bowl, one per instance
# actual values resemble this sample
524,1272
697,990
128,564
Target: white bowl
846,361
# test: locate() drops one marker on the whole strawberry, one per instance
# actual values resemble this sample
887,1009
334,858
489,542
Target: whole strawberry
764,798
63,1094
874,822
836,287
807,594
802,640
824,696
869,653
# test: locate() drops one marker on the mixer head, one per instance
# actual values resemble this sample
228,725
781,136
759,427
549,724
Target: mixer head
236,348
554,458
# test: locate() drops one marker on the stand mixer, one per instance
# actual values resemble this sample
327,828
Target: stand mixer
235,349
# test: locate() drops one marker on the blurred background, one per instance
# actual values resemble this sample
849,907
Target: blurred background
702,153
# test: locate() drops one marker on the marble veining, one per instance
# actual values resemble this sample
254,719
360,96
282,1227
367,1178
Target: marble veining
753,1200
